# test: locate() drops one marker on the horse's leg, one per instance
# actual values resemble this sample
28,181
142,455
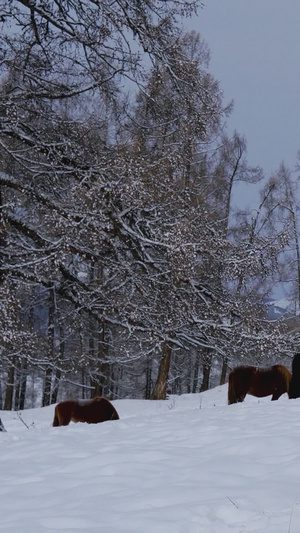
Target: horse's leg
56,419
280,388
241,398
276,394
241,392
62,415
65,418
232,397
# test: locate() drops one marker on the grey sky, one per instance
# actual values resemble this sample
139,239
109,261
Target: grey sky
255,54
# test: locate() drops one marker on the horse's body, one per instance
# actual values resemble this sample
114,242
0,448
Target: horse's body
91,411
258,382
294,390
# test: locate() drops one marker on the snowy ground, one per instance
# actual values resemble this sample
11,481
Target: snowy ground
191,464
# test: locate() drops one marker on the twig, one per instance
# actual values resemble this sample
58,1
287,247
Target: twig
291,517
235,505
172,404
20,418
2,428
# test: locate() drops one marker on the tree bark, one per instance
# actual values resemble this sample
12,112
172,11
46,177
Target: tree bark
21,386
98,381
224,371
206,371
160,389
51,347
9,393
57,374
196,372
148,379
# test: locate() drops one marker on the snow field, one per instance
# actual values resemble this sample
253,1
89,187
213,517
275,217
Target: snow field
191,464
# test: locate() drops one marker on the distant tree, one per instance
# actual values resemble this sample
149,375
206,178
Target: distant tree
230,168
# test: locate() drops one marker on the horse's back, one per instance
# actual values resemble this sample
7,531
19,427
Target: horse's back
94,411
273,381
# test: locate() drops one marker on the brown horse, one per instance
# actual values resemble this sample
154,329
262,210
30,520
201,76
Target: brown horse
91,411
258,382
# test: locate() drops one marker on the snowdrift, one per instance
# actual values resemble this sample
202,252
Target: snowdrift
191,464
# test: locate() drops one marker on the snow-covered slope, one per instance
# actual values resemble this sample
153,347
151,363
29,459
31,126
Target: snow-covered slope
191,464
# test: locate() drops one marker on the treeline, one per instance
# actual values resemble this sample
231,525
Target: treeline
124,270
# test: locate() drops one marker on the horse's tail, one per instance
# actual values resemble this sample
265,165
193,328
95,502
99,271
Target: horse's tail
110,410
115,415
56,419
232,398
285,375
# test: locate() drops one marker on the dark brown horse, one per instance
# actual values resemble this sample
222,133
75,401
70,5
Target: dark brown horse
258,382
91,411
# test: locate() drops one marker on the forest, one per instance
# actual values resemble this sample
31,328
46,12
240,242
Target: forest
124,269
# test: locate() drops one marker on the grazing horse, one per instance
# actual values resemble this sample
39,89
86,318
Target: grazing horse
258,382
294,390
91,411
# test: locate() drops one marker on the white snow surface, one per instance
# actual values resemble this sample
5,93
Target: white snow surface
191,464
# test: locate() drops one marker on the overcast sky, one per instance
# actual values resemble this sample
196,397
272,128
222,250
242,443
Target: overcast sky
255,54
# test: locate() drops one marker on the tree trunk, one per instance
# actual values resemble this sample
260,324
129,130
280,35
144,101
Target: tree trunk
148,386
189,380
93,377
1,397
85,377
57,375
224,371
196,372
51,347
23,385
206,371
55,385
9,393
98,381
104,368
160,389
47,387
